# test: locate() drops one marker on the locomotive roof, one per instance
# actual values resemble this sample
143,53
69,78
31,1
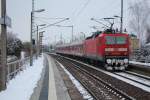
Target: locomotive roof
103,34
107,31
94,35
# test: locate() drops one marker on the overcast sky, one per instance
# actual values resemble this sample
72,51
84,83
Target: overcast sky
79,11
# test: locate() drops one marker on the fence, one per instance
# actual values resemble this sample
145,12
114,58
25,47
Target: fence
15,67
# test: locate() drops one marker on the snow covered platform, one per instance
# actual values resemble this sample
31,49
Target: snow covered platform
47,79
57,89
42,81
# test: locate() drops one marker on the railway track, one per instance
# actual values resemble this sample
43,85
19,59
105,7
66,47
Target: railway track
98,88
107,77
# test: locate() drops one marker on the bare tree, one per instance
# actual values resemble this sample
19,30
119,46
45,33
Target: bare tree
140,12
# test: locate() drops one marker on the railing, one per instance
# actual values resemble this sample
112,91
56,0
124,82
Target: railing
15,67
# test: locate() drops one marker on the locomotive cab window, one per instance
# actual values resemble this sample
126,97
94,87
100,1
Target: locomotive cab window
115,40
120,40
110,40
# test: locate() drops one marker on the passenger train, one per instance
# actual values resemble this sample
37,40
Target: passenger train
108,47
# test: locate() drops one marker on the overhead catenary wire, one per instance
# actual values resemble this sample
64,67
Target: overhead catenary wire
54,23
82,9
75,10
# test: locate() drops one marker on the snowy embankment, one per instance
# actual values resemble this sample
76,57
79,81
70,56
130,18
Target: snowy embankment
22,86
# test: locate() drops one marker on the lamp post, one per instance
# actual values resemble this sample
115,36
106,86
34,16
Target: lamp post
37,40
31,49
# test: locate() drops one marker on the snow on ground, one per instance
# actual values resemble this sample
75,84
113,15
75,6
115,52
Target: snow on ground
139,63
80,88
22,86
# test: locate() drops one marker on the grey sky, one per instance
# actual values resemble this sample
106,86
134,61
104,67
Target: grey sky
19,11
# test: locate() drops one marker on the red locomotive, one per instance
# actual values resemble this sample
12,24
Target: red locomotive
108,47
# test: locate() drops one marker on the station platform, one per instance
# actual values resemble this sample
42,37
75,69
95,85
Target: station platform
56,83
53,87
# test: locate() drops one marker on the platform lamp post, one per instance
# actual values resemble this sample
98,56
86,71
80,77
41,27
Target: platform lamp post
37,39
32,41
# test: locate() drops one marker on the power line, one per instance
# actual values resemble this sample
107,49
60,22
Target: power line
82,9
74,12
54,23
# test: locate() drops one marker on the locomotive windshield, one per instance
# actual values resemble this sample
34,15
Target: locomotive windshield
115,40
120,40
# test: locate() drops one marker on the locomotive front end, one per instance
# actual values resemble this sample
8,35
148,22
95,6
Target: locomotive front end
116,51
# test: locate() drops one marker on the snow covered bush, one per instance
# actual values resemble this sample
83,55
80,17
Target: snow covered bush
14,45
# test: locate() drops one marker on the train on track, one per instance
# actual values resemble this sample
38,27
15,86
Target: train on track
108,47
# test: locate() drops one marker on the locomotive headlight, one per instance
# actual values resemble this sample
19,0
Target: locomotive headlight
126,60
108,61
